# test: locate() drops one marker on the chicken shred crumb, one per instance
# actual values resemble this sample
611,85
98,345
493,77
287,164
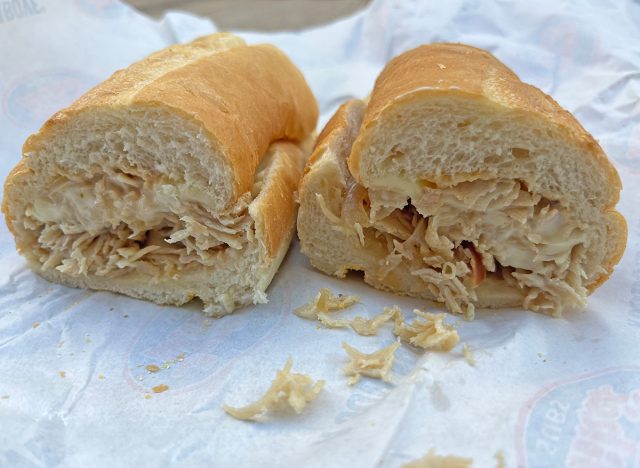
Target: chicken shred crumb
361,325
287,389
325,301
468,355
433,460
376,365
430,333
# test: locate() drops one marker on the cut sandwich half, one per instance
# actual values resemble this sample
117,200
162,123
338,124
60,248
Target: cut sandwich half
460,184
173,179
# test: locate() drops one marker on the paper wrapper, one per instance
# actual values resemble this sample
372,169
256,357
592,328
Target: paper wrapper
74,390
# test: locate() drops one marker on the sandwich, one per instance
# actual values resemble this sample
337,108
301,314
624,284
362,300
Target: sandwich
172,180
456,182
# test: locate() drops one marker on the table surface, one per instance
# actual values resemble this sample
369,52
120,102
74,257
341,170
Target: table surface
261,15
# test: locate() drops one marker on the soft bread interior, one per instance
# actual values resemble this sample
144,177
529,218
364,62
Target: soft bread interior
457,202
121,200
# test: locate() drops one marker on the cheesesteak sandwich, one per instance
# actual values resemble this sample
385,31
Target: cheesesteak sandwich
171,180
457,182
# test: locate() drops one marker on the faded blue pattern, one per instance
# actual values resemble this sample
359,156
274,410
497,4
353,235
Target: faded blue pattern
585,55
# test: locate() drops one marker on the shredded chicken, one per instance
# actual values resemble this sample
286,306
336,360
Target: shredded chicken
292,390
432,460
376,365
430,333
458,233
362,326
325,301
115,223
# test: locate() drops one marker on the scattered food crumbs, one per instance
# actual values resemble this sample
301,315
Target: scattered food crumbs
100,376
60,343
152,368
147,396
430,333
362,326
35,325
441,66
376,365
468,355
160,388
499,456
325,301
179,358
5,397
72,354
294,390
125,316
432,460
111,309
63,374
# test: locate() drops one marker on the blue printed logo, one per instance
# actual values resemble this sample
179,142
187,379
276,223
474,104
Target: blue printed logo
186,348
631,158
102,8
36,97
588,421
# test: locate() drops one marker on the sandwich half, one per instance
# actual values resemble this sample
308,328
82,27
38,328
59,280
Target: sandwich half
171,180
458,183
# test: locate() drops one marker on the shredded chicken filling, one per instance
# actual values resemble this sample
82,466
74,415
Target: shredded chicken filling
455,236
116,223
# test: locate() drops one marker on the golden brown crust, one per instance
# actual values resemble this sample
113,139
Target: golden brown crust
461,69
12,182
245,97
274,210
339,132
619,231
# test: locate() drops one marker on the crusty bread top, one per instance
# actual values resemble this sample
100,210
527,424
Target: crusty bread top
245,98
476,74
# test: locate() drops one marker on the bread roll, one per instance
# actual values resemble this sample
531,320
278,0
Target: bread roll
171,180
458,183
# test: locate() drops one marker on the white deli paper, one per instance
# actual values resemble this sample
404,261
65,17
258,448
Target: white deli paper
545,392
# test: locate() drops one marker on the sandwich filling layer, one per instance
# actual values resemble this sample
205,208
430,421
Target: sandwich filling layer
460,236
111,223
